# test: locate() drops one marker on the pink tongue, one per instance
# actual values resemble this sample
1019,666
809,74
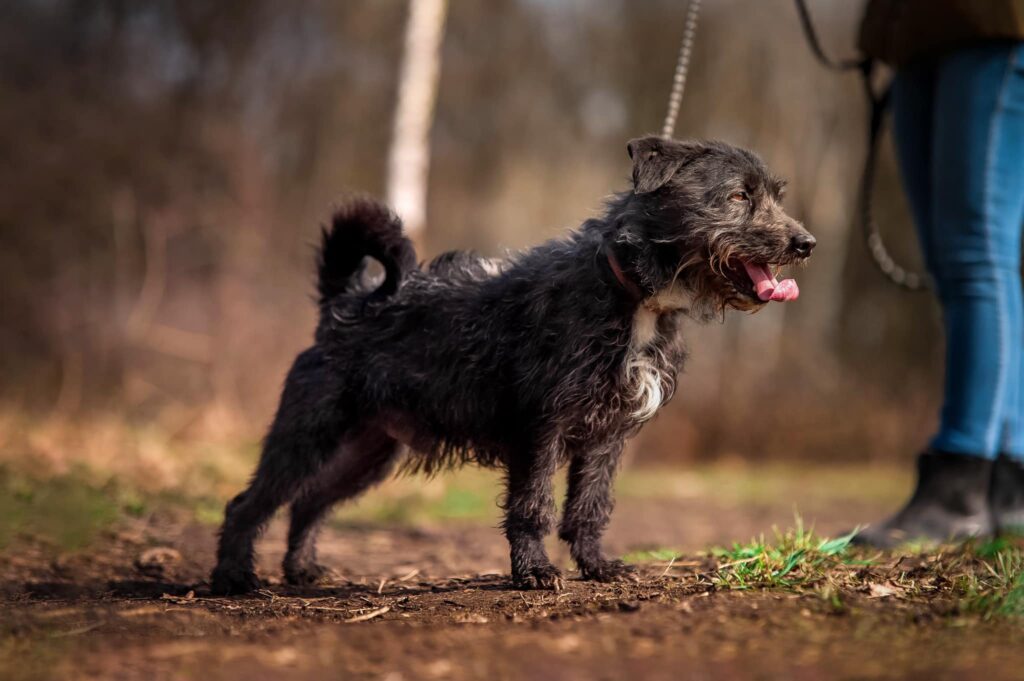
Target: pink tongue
786,290
768,287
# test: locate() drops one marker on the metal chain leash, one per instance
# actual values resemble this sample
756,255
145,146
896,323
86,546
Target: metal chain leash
675,98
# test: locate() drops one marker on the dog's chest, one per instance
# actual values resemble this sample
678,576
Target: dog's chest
652,361
615,401
644,330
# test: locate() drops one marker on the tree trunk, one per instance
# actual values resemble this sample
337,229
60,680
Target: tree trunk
408,163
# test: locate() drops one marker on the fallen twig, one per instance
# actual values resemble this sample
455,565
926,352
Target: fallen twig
370,615
327,608
409,576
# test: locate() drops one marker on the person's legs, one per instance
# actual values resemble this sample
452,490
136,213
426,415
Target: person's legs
959,128
1006,492
979,241
977,212
1012,444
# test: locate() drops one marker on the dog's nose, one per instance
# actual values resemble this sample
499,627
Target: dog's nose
803,244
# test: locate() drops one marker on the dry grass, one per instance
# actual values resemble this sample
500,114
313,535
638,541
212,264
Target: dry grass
56,473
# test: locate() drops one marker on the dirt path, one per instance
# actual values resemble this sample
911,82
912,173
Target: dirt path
434,602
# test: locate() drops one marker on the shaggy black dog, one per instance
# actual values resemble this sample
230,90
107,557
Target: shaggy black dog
553,356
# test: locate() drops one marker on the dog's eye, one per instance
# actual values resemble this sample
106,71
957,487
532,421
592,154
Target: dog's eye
739,196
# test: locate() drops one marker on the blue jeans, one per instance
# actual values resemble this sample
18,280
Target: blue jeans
959,129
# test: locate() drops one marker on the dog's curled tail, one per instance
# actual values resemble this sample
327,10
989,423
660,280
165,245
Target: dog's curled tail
362,227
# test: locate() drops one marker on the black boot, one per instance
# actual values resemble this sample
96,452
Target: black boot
949,504
1006,495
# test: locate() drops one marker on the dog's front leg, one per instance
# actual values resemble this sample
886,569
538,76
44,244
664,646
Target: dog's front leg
529,515
588,507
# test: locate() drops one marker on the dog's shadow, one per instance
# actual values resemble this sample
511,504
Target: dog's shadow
157,589
398,589
343,590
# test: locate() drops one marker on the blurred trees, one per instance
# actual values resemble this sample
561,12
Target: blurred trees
164,165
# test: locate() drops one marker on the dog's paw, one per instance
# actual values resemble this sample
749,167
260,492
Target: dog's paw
543,577
230,581
610,571
309,574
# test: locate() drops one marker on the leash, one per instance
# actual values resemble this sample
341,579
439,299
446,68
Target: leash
878,103
675,97
812,40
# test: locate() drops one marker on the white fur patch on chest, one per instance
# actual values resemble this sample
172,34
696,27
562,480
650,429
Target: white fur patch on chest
646,366
649,378
644,381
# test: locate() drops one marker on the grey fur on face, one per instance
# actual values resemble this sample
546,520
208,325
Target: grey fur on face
551,357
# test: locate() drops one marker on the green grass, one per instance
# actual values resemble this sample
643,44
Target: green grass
207,511
65,510
989,577
470,495
797,558
996,588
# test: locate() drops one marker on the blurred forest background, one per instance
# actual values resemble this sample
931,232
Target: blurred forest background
165,166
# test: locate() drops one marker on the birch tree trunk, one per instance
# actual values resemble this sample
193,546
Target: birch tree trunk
408,162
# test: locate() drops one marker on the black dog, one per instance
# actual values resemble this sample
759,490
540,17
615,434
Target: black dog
552,357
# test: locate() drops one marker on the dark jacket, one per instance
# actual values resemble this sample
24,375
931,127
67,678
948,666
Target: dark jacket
897,31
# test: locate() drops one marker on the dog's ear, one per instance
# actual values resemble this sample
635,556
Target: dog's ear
655,161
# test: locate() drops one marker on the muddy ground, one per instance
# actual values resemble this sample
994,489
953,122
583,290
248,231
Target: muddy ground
432,600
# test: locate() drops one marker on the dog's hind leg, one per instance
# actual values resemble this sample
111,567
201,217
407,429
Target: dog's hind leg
305,433
529,515
588,507
360,463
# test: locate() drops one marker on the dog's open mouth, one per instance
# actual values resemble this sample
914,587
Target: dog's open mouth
759,281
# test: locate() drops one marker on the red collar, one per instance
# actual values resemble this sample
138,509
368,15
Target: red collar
631,288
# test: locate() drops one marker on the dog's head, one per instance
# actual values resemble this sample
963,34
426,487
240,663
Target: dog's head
712,219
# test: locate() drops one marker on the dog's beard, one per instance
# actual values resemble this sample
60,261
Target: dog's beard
711,294
730,278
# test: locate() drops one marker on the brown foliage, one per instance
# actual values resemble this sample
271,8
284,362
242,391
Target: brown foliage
166,163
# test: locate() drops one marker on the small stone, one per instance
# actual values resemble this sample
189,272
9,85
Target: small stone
157,559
